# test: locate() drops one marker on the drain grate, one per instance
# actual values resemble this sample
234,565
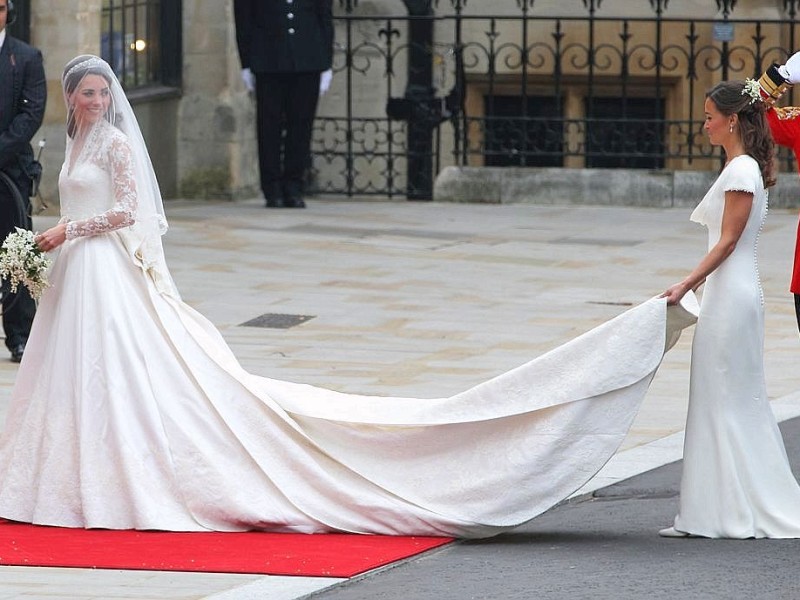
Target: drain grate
609,303
594,242
277,321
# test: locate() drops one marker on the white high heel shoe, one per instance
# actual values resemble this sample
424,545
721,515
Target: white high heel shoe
671,532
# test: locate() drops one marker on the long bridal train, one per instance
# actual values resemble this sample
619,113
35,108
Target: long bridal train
182,438
130,411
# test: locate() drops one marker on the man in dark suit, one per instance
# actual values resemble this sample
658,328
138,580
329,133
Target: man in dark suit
23,93
284,46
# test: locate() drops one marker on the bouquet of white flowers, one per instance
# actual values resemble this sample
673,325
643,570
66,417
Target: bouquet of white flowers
23,262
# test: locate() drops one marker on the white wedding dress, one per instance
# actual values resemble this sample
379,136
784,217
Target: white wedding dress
130,411
737,481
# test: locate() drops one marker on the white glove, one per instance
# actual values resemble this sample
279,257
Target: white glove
791,70
249,80
325,81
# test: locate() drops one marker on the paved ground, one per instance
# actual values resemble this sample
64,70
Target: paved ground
601,548
429,299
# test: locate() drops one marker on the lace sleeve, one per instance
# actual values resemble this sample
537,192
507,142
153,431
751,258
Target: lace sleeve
122,214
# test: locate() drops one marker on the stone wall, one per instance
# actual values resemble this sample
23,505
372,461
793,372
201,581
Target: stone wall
621,187
217,154
61,29
201,141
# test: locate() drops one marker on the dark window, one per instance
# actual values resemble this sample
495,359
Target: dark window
141,40
531,138
625,133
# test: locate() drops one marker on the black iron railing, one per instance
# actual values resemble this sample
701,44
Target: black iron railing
442,86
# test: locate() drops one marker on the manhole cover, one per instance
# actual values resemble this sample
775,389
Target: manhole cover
277,321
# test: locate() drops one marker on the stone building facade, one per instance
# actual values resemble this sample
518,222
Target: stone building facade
201,133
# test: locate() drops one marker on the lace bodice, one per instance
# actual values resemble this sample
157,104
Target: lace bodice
98,189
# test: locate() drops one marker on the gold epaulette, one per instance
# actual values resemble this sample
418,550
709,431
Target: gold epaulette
787,113
773,84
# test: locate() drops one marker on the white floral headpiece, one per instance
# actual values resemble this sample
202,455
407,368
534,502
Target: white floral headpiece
752,89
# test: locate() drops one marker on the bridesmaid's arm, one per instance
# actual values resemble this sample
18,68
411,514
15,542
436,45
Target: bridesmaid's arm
734,218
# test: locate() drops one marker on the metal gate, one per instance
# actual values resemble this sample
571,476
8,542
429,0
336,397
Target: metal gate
443,85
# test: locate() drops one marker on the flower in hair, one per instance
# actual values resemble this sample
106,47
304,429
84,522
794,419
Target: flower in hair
752,89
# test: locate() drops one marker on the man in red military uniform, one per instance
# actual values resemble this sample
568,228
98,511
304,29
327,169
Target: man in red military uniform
785,125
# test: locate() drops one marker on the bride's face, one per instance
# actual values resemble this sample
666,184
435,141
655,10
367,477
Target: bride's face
91,99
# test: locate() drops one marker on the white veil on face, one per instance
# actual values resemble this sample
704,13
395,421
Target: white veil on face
87,136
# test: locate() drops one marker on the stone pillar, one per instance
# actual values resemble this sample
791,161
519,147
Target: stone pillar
61,29
217,153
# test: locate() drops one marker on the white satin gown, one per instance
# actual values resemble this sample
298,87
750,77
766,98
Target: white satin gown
130,411
737,481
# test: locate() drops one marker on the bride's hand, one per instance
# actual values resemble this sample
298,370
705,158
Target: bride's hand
52,238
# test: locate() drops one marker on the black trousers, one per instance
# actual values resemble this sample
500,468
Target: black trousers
285,102
797,309
18,308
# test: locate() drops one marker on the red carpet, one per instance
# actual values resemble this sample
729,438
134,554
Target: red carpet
328,555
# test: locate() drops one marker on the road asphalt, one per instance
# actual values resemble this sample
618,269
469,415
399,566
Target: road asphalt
601,546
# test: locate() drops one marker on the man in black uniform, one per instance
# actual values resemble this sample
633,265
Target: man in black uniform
23,93
284,45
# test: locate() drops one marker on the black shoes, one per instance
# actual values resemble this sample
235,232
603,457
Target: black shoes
273,194
288,203
17,350
293,194
295,202
276,197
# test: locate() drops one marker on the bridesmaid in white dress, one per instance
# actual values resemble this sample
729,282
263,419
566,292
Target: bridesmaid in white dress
737,482
130,411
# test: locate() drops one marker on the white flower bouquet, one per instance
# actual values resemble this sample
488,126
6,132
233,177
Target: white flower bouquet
23,262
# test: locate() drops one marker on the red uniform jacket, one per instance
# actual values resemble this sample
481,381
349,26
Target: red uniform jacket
785,126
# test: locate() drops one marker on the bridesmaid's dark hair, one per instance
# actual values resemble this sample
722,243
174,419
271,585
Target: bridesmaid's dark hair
730,98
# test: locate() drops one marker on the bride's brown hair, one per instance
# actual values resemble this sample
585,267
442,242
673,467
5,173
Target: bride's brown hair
731,98
74,72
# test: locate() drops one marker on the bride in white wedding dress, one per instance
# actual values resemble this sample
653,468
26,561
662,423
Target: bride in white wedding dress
737,481
130,411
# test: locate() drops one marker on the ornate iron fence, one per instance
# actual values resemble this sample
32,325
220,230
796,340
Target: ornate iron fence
442,86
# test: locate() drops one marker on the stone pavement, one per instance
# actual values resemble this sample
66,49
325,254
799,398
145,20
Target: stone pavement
428,299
